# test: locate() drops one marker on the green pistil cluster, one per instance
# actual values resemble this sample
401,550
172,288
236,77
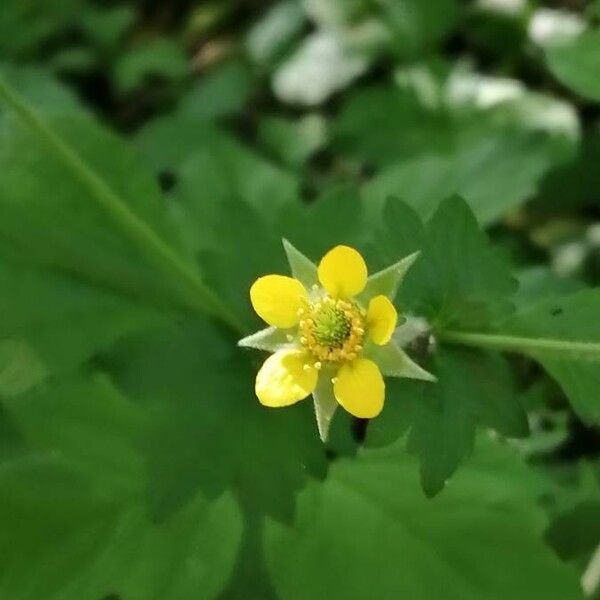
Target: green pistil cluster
331,326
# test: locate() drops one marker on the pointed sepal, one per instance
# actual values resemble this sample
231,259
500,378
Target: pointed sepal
387,282
394,362
302,268
325,405
270,339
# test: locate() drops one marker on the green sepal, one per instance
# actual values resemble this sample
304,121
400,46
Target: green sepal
325,404
302,268
394,362
387,281
270,339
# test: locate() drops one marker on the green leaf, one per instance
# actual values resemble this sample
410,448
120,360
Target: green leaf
574,533
459,278
105,27
212,167
244,248
93,428
24,27
104,548
383,125
120,212
268,39
416,25
158,57
472,388
50,323
576,64
201,389
563,334
368,532
41,90
335,217
220,93
88,467
494,175
293,142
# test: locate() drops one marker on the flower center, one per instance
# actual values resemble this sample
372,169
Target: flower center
332,330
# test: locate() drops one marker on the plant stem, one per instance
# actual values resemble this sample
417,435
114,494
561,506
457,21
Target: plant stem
508,343
196,295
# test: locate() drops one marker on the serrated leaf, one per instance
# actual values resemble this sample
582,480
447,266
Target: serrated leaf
459,278
472,388
201,388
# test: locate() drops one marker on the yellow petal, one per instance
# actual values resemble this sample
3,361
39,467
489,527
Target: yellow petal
283,380
276,299
381,320
360,389
343,272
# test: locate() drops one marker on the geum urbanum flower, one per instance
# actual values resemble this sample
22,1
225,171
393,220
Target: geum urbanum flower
330,332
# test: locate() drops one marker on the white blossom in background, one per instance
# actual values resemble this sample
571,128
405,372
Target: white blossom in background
568,258
535,111
509,8
593,235
549,27
466,88
321,66
549,114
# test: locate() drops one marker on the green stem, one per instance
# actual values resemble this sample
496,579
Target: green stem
508,343
196,295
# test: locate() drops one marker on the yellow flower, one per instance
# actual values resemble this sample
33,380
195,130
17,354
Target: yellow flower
330,332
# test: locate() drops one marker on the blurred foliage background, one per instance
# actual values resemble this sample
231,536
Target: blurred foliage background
136,463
